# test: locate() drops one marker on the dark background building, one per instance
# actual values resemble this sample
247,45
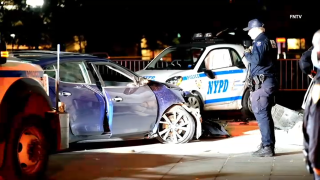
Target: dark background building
117,27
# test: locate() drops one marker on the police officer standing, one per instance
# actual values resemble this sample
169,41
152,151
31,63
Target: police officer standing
305,63
311,121
261,57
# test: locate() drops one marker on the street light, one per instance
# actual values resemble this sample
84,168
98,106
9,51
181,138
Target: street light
35,3
13,36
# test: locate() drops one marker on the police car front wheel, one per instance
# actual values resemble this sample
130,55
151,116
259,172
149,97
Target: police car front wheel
246,105
194,102
176,126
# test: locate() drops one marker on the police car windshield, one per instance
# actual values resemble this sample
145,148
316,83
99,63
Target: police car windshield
176,58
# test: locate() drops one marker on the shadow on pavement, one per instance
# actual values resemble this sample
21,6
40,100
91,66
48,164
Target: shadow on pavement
288,153
110,144
101,166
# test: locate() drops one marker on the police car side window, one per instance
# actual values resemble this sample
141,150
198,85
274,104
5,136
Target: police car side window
237,61
202,67
218,58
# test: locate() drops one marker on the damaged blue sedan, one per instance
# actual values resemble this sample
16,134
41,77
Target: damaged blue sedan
107,101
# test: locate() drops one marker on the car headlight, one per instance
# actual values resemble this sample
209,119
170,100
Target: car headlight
175,80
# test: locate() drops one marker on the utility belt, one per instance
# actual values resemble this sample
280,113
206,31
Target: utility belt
256,81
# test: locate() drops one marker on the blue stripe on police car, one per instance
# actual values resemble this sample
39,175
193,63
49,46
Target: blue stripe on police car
210,101
150,77
201,75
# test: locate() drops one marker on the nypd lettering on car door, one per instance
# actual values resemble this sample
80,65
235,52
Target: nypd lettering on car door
218,86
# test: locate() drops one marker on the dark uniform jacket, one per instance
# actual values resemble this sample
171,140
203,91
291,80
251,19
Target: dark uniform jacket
263,56
305,62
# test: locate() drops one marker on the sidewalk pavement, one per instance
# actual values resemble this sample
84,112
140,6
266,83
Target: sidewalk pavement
215,159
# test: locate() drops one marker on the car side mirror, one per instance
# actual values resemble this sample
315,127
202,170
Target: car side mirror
142,81
247,43
209,74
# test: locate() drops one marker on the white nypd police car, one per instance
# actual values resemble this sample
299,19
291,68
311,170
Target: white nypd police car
185,65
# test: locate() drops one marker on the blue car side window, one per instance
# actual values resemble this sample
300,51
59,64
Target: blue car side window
113,78
50,71
71,72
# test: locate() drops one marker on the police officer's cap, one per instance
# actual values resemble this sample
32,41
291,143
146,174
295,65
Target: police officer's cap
253,23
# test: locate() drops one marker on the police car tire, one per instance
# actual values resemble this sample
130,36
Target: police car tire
199,99
11,168
192,128
246,111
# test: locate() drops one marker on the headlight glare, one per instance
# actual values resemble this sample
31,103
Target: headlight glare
177,80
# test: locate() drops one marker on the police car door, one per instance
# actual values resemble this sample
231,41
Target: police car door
221,90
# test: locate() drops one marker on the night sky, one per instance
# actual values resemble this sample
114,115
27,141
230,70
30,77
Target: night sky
107,23
127,21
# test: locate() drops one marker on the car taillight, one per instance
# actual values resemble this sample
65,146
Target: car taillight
45,83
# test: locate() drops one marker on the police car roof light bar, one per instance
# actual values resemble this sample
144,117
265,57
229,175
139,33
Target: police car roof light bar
207,37
57,77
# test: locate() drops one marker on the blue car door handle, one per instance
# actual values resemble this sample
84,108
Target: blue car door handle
117,99
64,93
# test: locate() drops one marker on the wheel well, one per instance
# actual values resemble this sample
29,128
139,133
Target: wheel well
25,96
244,92
198,93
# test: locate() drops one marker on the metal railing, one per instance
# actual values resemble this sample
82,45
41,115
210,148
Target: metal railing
291,78
133,65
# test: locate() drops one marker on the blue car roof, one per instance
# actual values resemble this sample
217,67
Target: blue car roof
44,58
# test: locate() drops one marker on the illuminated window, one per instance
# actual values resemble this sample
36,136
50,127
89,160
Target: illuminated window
296,43
303,43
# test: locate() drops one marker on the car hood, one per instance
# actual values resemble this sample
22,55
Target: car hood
161,75
168,85
173,88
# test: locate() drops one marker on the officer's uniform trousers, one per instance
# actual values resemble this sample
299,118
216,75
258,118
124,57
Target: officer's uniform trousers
262,101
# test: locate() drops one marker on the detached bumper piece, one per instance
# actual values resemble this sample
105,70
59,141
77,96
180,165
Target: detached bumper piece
212,129
284,118
196,114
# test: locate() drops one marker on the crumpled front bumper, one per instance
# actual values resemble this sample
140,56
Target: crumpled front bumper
197,116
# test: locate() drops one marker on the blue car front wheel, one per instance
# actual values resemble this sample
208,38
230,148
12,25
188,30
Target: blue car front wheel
176,126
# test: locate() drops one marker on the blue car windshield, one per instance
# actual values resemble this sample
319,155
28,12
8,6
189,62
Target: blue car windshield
177,58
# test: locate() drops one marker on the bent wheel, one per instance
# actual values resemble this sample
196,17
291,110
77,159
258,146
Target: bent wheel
26,154
176,126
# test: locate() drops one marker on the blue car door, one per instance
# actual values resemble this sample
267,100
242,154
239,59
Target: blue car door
133,107
84,102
